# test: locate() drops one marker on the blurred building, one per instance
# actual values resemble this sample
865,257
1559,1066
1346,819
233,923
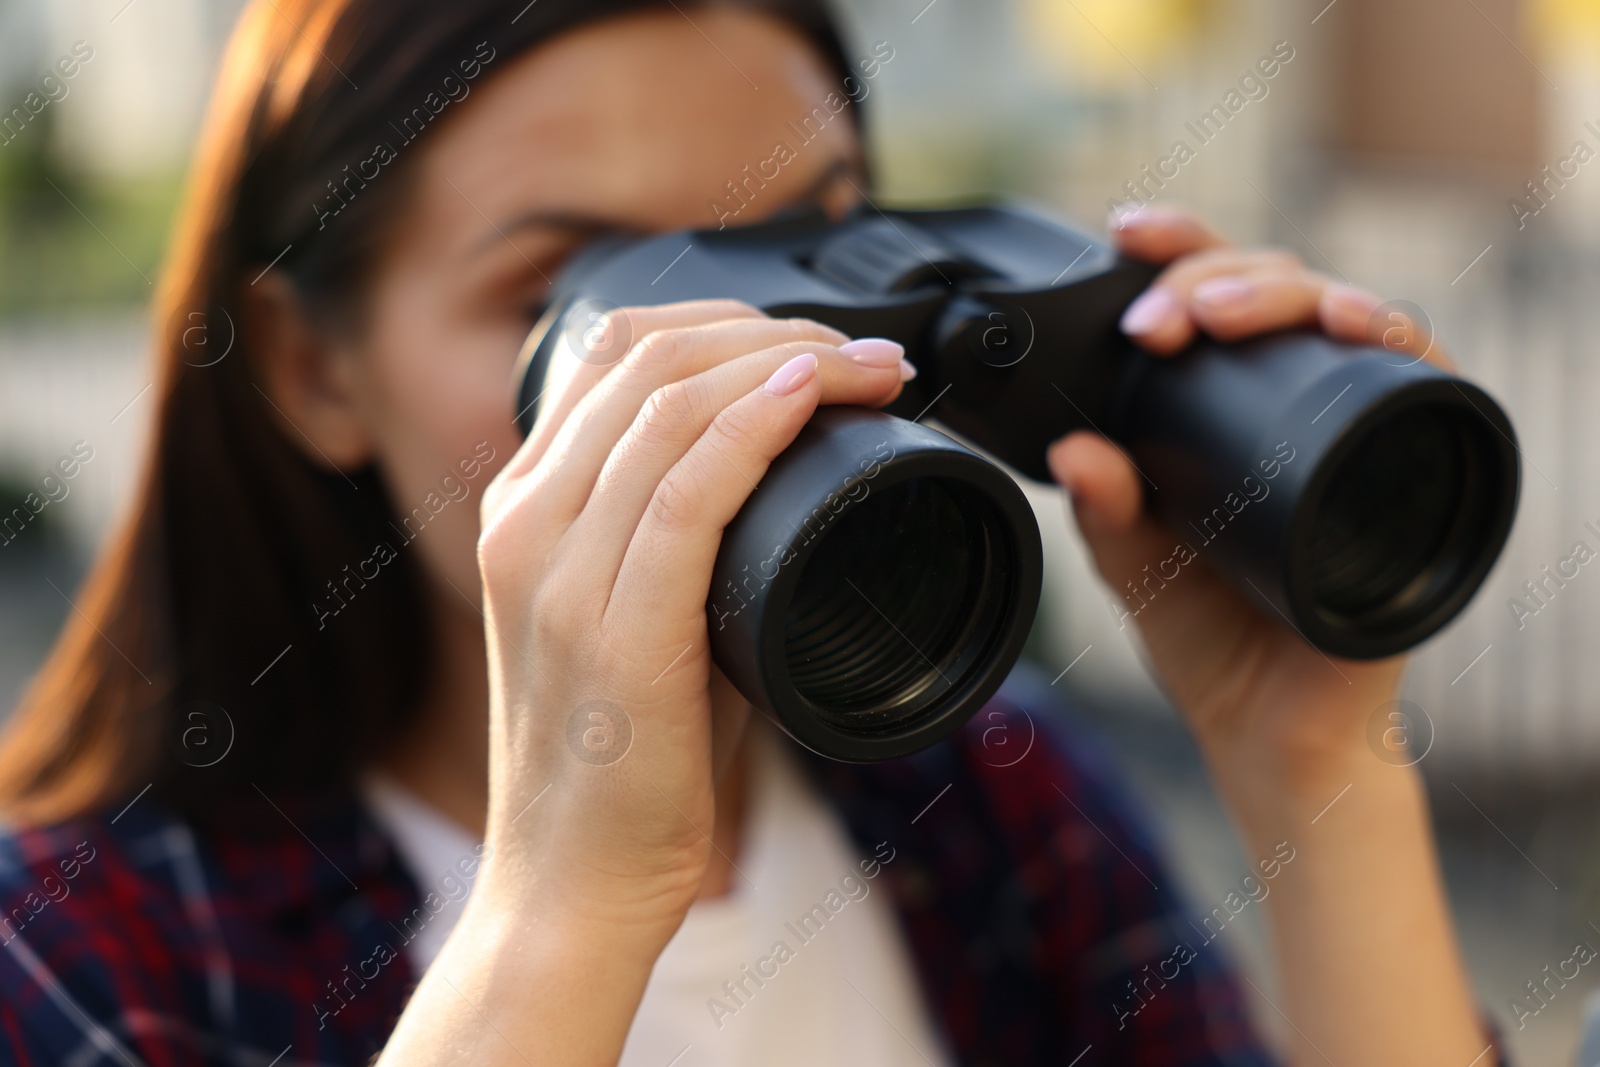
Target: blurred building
137,103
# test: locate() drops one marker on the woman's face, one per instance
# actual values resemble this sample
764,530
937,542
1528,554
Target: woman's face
636,123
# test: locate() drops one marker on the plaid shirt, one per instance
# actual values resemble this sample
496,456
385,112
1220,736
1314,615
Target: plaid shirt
1035,908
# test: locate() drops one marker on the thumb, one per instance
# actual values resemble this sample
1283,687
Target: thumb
1107,499
1186,613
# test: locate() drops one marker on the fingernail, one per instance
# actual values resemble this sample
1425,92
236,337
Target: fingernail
1224,292
874,351
1123,215
1348,300
792,375
1154,309
907,370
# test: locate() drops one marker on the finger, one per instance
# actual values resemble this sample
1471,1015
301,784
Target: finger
600,417
666,572
1107,501
1134,553
1161,233
571,374
1358,317
681,416
1163,319
676,335
1230,307
575,371
1182,607
1345,312
1102,481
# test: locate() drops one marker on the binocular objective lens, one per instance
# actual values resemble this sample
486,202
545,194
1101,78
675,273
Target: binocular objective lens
1404,518
899,604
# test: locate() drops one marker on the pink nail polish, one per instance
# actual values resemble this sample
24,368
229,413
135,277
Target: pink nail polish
1149,313
908,370
792,375
1225,291
1123,215
1350,300
874,351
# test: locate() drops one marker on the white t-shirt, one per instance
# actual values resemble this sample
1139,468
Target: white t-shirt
801,963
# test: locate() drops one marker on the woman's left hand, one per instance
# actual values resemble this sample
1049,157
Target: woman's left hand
1366,955
1230,293
1252,690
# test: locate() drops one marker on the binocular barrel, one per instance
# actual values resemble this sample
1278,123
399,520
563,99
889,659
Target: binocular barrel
870,598
876,590
1361,498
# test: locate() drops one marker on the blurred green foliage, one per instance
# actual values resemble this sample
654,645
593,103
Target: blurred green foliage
30,531
68,242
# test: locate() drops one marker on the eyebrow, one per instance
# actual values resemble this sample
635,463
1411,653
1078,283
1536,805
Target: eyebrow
580,224
573,222
839,168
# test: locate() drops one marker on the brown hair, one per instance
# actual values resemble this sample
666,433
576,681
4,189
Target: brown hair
202,597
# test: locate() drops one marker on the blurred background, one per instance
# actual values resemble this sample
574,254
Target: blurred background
1445,152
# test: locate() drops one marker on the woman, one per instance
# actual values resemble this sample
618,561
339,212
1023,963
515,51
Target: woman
248,788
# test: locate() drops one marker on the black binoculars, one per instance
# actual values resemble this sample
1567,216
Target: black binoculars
879,584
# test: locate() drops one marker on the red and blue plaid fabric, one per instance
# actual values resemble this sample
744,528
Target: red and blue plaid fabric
1031,897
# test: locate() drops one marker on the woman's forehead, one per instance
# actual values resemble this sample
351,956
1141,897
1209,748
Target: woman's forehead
643,122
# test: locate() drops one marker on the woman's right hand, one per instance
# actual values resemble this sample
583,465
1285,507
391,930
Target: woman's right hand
596,553
598,541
